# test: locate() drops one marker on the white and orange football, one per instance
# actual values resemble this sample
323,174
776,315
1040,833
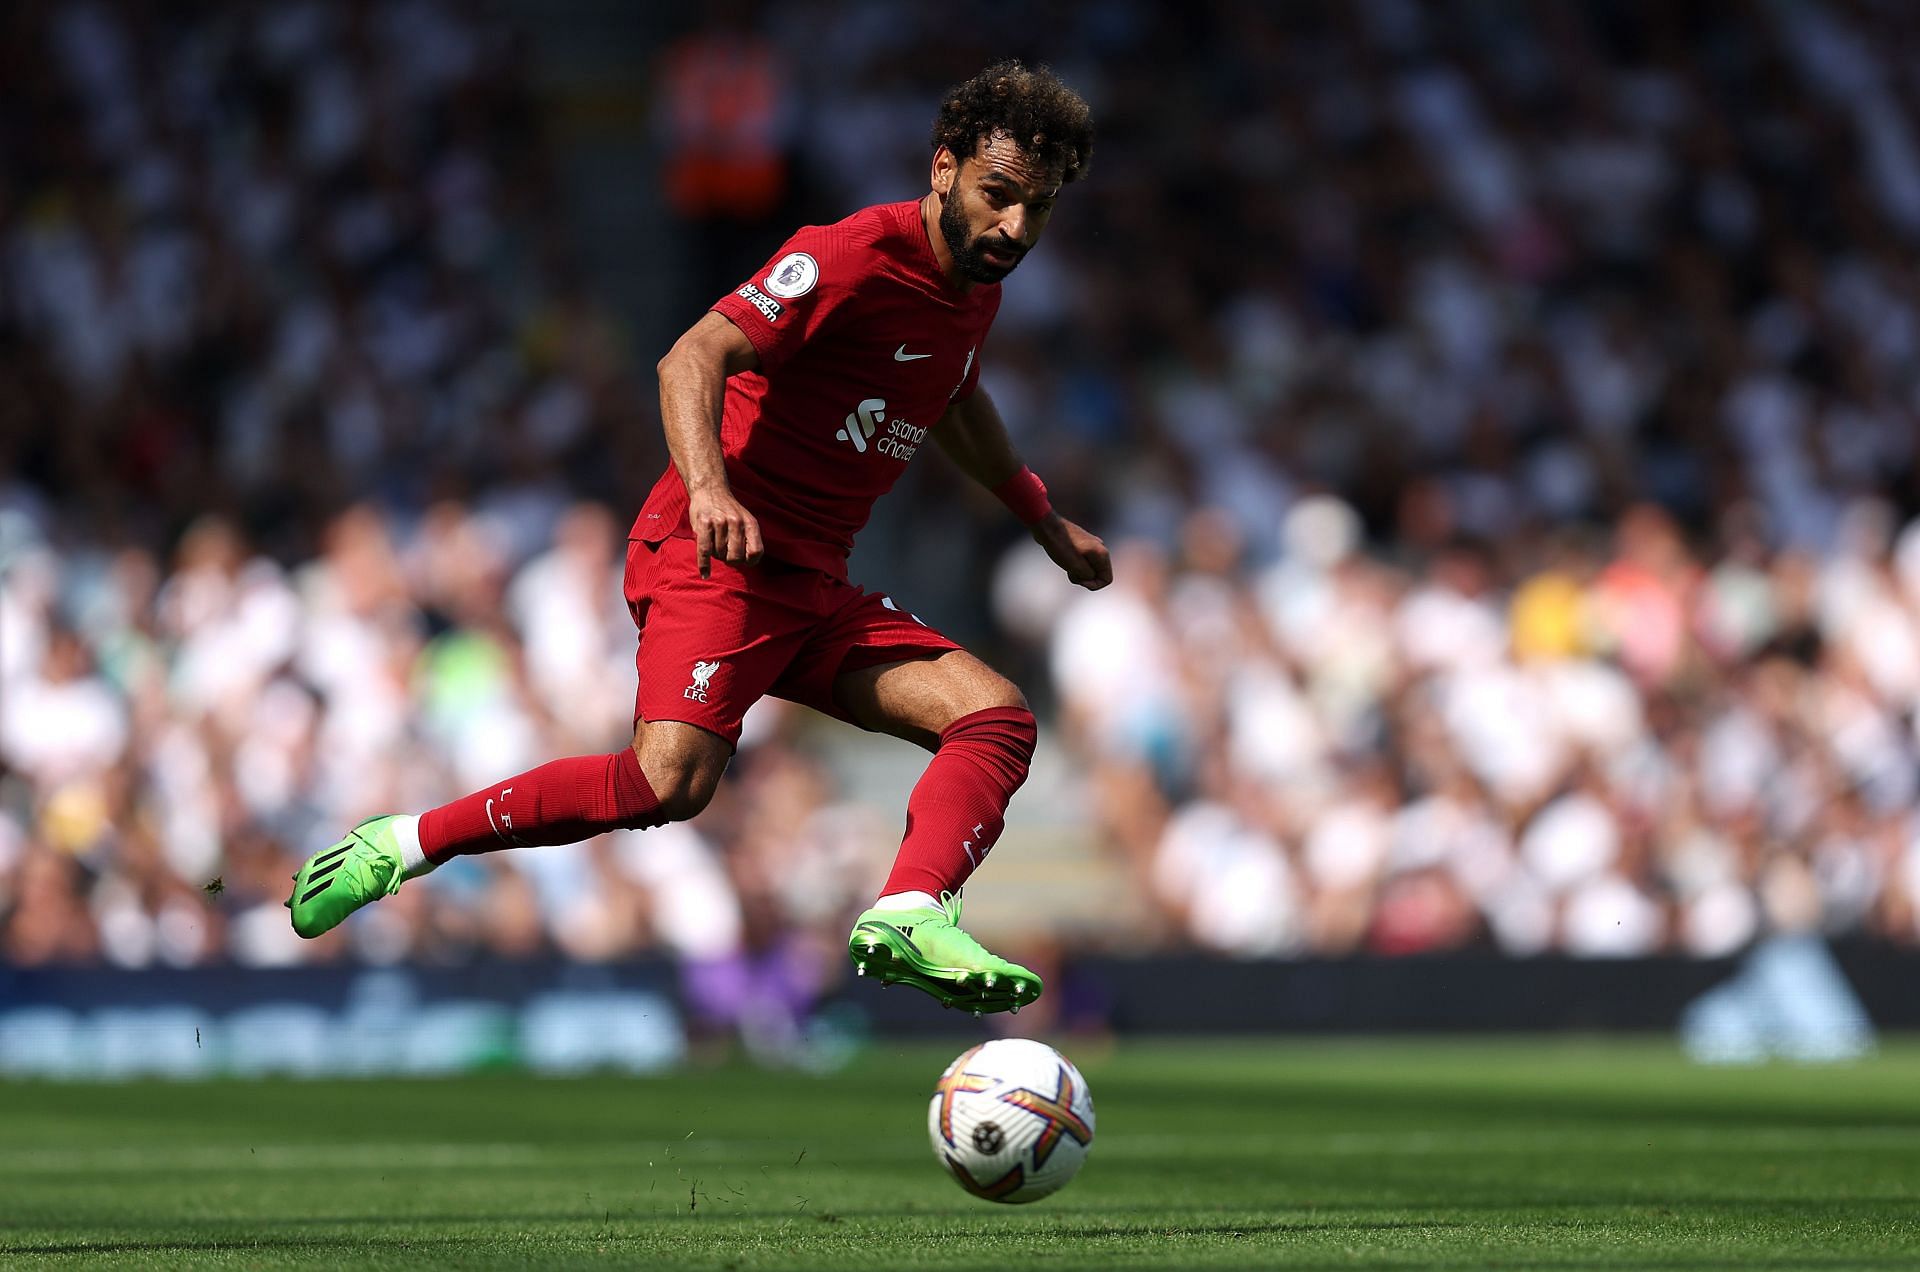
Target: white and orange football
1012,1120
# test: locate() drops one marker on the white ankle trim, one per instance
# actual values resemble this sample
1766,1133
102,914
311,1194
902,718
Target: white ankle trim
413,858
907,901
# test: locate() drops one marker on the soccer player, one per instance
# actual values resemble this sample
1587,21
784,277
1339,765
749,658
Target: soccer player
788,409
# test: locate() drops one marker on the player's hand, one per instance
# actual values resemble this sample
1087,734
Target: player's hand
723,528
1080,553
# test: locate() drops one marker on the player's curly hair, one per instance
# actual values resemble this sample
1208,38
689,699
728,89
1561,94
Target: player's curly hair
1040,114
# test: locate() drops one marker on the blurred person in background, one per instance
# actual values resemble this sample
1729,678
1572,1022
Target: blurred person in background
736,566
726,120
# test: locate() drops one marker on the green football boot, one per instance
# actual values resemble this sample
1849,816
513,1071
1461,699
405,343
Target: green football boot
362,867
926,948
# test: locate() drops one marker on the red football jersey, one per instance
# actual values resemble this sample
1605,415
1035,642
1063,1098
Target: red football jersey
863,345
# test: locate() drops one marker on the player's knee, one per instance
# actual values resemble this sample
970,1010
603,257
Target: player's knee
1004,695
1016,719
1008,731
1023,731
993,692
684,791
682,766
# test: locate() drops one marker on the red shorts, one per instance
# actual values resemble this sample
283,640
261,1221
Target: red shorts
710,648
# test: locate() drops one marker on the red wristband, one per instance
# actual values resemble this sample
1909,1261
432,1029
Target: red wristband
1025,495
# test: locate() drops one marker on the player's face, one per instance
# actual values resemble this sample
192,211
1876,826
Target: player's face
996,203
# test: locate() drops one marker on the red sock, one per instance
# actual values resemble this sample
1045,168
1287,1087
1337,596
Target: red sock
959,806
558,803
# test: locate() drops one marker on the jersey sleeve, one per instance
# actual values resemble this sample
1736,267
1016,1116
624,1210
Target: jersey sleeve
798,293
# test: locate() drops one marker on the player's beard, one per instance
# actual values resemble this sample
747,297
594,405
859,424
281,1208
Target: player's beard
967,255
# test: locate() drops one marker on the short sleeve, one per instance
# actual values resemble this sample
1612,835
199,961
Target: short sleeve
796,295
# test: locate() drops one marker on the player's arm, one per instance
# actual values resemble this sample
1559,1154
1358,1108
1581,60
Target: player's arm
975,437
693,382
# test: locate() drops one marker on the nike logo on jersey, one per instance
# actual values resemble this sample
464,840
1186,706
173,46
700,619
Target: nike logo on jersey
901,355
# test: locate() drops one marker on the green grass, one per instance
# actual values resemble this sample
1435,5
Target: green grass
1561,1154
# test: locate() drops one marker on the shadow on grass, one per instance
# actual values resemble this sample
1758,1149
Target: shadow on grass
1404,1209
446,1247
1145,1218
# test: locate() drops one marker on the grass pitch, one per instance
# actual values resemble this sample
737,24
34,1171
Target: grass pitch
1388,1154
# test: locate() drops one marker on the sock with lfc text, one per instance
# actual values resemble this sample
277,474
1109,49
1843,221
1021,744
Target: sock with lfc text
558,803
959,806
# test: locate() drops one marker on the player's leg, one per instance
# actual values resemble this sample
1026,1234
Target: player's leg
883,669
977,725
874,665
709,648
668,774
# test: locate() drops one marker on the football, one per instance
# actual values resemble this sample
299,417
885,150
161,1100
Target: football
1011,1120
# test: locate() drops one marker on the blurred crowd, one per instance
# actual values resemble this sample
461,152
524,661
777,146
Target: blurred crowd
1505,418
265,260
1598,745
